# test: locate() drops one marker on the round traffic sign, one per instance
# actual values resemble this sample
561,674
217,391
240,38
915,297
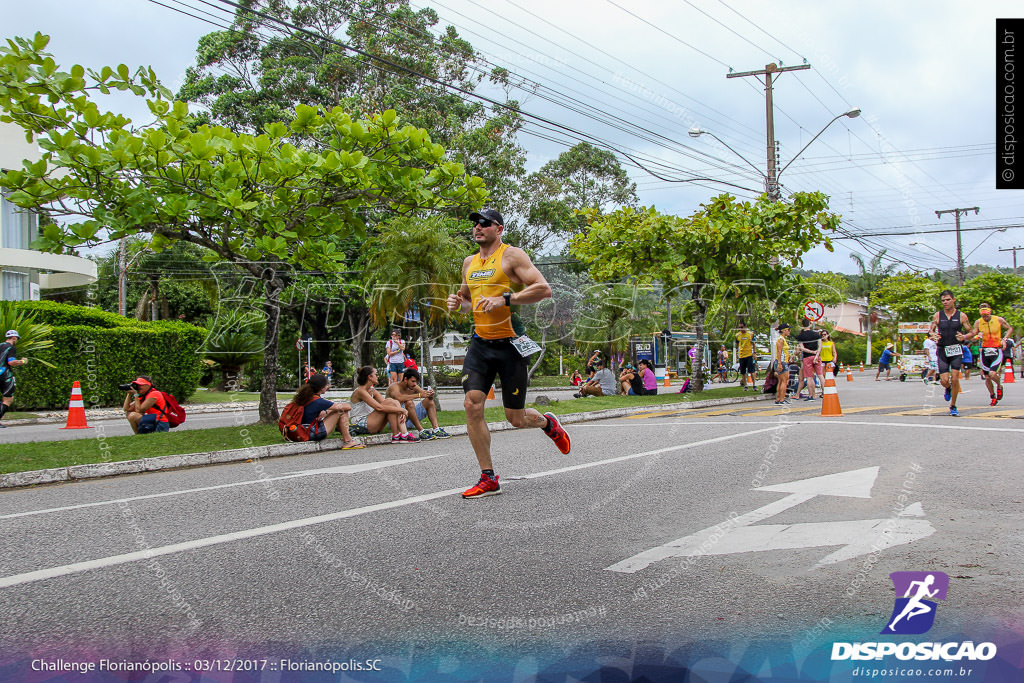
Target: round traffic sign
299,345
813,310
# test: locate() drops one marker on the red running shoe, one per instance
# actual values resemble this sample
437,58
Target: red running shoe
557,434
487,486
999,392
994,401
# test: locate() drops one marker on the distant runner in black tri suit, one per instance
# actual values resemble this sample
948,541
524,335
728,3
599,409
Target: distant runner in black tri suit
949,329
7,362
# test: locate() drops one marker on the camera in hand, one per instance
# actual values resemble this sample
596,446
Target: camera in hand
127,387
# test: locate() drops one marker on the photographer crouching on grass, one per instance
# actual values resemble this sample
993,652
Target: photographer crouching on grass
145,407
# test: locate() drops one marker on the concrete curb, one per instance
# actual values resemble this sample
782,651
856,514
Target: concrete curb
173,462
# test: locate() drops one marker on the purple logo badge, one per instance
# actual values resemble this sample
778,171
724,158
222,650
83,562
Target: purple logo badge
914,610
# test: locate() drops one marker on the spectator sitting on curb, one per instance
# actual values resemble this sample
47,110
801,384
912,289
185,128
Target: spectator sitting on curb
406,391
626,378
371,411
650,380
144,407
636,384
576,379
602,384
314,407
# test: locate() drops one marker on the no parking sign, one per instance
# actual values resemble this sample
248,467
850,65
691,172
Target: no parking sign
813,310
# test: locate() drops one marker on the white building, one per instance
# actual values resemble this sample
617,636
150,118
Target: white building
24,271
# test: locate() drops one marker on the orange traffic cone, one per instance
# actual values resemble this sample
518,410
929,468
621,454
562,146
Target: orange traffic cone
862,366
849,374
76,409
830,398
667,382
1008,377
490,393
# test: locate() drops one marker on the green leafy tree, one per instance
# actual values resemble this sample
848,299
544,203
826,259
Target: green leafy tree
1005,293
725,242
258,72
259,202
583,177
909,296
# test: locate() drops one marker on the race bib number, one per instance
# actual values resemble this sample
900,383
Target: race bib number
525,346
953,350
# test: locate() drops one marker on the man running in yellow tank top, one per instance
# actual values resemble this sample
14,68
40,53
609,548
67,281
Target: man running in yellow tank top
494,279
990,328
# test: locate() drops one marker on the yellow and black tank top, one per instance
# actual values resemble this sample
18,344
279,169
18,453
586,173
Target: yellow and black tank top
486,278
991,332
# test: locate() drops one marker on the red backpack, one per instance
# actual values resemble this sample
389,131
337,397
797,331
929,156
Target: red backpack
172,410
290,423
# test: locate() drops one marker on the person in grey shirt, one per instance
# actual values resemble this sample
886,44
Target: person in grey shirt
602,384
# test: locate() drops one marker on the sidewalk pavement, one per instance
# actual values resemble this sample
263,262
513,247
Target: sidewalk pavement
446,395
170,462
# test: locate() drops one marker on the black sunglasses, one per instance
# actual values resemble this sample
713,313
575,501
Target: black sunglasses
484,222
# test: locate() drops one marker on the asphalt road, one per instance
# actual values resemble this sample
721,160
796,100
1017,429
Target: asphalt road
711,538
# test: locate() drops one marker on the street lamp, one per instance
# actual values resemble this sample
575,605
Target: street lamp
771,179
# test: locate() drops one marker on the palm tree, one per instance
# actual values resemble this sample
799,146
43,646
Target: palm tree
415,264
870,274
33,336
866,282
236,341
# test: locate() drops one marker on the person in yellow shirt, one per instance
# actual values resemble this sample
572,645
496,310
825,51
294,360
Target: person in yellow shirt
828,352
745,352
781,364
493,280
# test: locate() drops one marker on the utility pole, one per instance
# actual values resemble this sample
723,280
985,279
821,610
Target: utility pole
772,185
959,246
1014,250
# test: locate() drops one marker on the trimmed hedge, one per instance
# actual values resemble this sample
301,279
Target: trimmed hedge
62,315
108,351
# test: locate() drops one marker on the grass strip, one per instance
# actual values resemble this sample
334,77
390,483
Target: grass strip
39,455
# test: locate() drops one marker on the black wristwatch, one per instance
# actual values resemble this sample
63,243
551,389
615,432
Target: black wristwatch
508,298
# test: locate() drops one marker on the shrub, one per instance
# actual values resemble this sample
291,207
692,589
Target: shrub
102,350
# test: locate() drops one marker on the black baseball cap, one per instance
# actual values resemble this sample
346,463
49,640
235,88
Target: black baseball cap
487,214
783,326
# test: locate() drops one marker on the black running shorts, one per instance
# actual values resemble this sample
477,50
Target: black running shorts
7,384
487,359
991,359
947,364
748,366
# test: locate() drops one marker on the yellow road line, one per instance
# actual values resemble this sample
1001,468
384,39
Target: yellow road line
995,414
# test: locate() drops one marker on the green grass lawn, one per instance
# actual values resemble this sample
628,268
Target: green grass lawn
39,455
13,415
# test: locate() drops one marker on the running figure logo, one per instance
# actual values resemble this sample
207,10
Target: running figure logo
913,613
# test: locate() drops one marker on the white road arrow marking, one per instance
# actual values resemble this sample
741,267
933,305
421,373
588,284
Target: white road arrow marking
737,535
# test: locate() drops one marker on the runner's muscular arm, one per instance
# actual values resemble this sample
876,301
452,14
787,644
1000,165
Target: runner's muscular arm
965,322
1007,326
933,329
522,270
